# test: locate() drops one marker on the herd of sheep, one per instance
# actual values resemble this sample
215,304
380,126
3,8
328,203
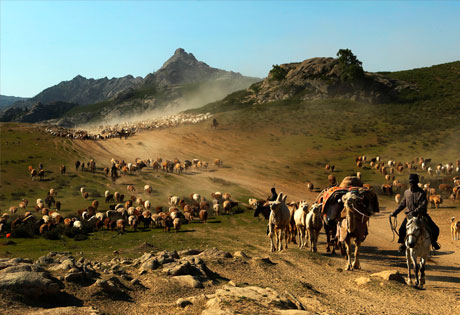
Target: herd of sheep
126,129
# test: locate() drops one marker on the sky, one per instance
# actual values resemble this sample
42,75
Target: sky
45,42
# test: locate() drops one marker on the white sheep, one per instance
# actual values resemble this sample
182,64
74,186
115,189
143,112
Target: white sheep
106,194
77,224
100,216
196,197
173,200
82,190
148,189
217,207
39,201
46,219
52,192
85,215
147,204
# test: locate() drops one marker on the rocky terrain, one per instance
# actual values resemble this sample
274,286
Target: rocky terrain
8,100
321,78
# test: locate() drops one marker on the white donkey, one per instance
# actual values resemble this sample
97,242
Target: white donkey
417,245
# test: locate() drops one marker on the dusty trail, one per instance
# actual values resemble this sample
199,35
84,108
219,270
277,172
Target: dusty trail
246,169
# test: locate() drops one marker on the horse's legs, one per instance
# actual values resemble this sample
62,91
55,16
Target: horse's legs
356,264
408,260
416,268
422,272
348,246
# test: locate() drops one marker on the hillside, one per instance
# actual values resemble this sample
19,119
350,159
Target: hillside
8,100
182,82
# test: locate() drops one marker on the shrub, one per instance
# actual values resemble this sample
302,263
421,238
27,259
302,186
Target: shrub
278,73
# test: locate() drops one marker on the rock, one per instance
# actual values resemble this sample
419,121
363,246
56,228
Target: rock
107,286
22,268
362,280
264,261
232,283
257,299
64,265
240,254
165,257
189,252
70,310
13,262
76,277
183,302
214,253
135,282
150,264
30,283
188,281
389,275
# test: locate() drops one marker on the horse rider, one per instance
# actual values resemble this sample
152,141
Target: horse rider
416,202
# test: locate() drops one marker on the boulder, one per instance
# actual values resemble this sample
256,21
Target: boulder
188,281
393,275
183,302
240,254
30,283
362,280
252,298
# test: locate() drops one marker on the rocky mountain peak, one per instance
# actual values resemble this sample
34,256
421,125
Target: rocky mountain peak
181,58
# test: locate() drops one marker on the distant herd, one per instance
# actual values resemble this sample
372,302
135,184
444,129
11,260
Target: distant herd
124,130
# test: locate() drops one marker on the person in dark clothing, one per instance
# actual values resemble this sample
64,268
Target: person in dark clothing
415,201
273,196
114,173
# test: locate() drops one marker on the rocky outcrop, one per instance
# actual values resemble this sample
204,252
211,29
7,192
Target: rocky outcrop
322,78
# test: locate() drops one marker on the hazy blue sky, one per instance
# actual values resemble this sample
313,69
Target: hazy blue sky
45,42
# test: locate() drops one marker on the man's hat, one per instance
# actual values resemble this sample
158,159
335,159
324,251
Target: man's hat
413,178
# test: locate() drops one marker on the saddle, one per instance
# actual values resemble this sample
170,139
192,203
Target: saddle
333,194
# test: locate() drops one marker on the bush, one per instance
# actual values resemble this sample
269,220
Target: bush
24,230
278,73
53,234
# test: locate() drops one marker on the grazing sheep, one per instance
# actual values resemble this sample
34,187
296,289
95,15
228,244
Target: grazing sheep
252,202
226,196
13,209
148,189
106,193
132,222
218,162
188,216
131,188
176,224
398,198
52,192
203,215
217,207
77,224
173,200
121,225
100,216
300,215
196,197
82,190
310,186
95,204
85,195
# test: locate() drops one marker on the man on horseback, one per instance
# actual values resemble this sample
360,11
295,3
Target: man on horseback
415,201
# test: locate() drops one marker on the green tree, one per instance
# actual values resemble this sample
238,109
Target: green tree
351,68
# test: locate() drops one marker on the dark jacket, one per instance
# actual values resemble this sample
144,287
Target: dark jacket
415,202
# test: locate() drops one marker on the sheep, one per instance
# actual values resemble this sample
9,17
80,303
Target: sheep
226,196
46,219
77,224
203,215
106,194
252,202
82,190
435,200
148,189
132,222
13,209
131,188
310,186
217,207
196,197
176,224
147,205
300,215
398,198
85,195
39,201
100,216
52,192
121,225
95,204
188,216
173,200
358,174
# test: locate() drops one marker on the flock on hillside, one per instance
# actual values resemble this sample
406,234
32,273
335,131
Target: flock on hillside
126,129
